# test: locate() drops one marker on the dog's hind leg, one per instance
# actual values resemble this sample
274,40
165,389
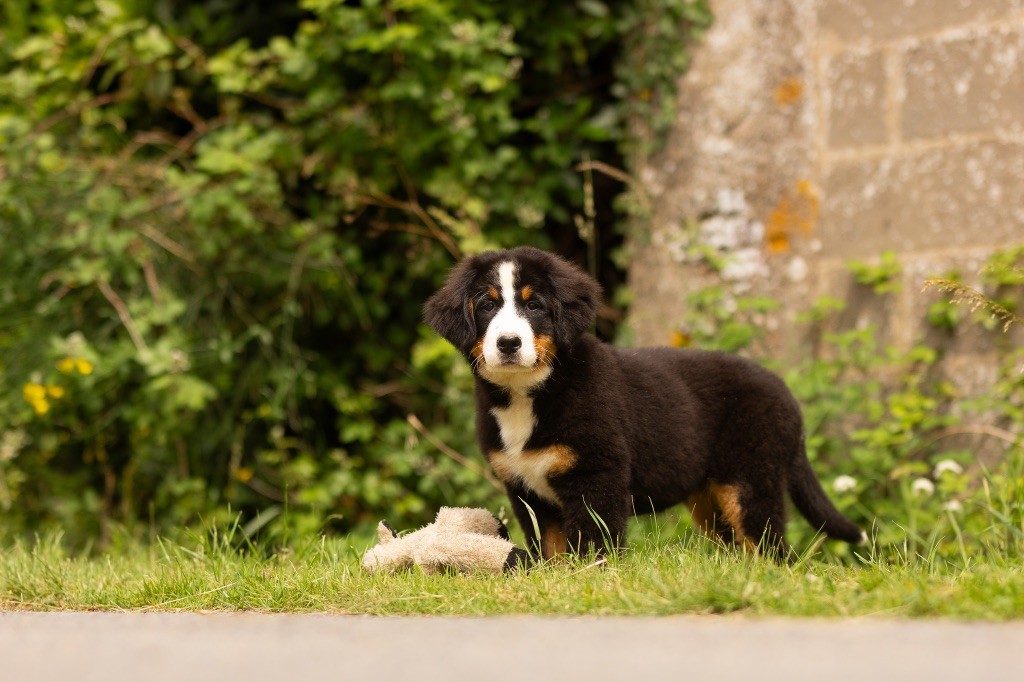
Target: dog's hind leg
757,519
707,516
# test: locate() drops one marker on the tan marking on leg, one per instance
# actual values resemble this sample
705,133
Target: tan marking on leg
727,497
553,541
702,509
527,292
545,348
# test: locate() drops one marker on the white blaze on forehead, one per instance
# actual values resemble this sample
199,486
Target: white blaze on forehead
507,278
509,322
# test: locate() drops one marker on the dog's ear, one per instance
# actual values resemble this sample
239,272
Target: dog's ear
577,297
449,311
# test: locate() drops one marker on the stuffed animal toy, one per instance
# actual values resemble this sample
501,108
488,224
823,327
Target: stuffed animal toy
459,539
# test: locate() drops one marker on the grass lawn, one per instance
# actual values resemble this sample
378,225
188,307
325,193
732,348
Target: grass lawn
662,573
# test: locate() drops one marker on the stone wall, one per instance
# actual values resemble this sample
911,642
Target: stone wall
813,132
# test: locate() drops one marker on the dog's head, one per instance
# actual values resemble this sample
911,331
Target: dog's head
510,311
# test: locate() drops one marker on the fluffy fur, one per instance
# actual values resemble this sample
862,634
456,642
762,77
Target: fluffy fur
579,430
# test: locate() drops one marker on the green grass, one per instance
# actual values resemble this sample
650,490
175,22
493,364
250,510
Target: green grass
662,573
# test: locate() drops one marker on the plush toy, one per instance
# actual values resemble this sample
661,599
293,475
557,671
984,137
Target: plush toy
460,539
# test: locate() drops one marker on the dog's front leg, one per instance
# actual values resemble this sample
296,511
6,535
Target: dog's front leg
594,515
540,520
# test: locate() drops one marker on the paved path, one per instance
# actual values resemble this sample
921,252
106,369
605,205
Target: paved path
108,647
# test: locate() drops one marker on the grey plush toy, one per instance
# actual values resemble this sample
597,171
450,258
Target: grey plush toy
460,539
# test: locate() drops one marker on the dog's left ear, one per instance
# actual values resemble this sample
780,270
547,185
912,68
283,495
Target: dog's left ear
448,311
577,297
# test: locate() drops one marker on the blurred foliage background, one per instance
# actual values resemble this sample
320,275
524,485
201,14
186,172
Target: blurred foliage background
221,218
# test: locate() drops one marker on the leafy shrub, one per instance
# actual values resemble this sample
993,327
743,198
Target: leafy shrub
221,219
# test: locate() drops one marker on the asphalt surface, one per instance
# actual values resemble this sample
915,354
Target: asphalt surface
154,647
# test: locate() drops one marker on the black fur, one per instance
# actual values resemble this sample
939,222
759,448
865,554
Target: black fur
502,529
650,428
516,559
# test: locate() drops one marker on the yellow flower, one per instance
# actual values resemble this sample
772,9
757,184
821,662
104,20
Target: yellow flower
33,392
84,366
54,391
243,474
66,365
35,395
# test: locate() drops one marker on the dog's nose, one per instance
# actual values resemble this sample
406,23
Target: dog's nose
509,344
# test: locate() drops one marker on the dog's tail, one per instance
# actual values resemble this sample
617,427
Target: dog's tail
811,501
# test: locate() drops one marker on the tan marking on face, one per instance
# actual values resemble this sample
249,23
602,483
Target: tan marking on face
546,349
553,541
492,293
527,292
727,498
477,351
533,468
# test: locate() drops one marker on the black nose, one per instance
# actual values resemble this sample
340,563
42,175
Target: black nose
509,344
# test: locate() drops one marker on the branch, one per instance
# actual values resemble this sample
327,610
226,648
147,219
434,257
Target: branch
167,243
76,109
967,430
457,456
126,318
380,199
618,174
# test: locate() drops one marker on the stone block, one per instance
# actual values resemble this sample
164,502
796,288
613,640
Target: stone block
874,21
863,307
856,86
951,197
964,86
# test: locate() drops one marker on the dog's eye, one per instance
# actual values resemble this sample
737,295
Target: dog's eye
534,305
487,306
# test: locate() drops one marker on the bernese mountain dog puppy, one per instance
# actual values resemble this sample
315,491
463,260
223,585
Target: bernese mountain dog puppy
584,434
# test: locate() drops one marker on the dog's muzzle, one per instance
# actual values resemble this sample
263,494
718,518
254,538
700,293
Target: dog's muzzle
509,345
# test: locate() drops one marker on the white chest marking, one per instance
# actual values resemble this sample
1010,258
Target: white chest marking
516,423
530,467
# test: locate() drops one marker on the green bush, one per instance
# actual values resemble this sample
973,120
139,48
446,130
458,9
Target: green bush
221,219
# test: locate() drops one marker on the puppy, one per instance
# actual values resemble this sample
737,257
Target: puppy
584,434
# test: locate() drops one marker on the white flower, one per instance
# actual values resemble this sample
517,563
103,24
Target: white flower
844,484
11,443
922,486
947,465
953,506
